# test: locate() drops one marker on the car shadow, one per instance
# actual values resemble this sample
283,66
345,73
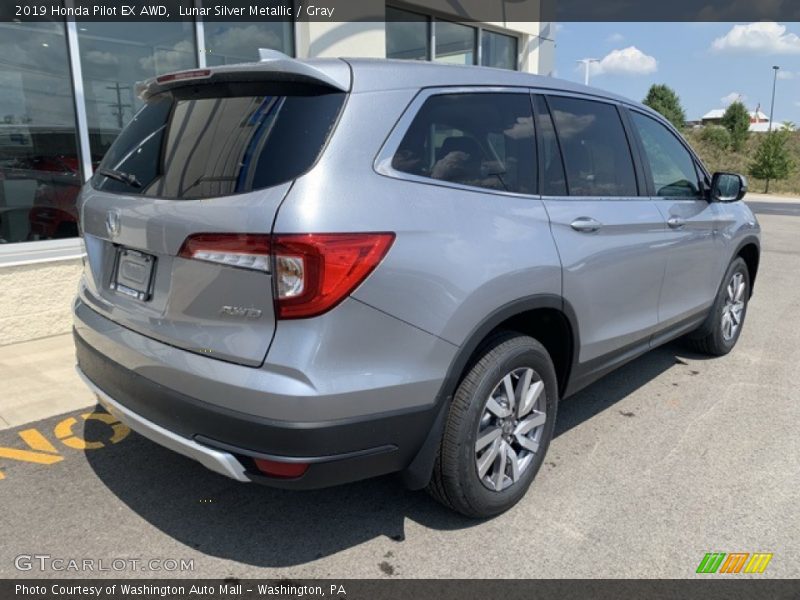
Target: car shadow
267,527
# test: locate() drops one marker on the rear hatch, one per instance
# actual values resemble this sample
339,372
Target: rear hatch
210,156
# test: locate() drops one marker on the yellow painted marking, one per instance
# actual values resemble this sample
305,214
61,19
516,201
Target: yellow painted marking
43,452
63,431
121,431
37,441
39,458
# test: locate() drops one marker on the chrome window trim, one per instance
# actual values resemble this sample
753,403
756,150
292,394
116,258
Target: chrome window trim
383,162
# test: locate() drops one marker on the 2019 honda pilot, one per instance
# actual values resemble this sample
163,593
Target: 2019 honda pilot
304,273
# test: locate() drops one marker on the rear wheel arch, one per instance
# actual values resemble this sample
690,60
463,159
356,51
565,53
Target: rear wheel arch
547,318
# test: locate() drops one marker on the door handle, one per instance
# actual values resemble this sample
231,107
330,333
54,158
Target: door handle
676,222
586,224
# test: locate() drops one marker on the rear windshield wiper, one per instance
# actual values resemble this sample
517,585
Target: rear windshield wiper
121,176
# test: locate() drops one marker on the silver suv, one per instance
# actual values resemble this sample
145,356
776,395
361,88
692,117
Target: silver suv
304,273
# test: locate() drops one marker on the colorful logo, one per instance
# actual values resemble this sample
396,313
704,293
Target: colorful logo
734,562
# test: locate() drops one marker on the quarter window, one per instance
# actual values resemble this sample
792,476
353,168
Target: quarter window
481,139
671,165
595,148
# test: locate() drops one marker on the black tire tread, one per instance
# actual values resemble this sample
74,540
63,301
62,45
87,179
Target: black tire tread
708,342
446,487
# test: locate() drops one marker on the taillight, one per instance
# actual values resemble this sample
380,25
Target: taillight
246,251
312,273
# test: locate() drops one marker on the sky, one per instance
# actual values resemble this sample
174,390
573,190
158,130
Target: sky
708,64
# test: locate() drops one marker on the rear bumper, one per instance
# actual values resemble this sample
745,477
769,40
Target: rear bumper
223,463
226,441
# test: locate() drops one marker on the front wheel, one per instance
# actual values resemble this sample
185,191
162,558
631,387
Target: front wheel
722,328
498,428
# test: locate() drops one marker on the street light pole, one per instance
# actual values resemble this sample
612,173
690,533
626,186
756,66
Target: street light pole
586,62
775,68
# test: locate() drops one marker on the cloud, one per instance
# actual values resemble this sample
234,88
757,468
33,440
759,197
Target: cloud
615,38
241,42
104,59
628,61
733,97
164,60
765,38
785,75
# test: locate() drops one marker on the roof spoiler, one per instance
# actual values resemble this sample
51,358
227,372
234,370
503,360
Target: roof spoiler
272,66
278,61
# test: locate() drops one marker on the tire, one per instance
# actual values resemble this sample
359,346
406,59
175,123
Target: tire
456,481
715,337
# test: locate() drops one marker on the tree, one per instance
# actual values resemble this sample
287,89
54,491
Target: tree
663,99
737,121
772,159
717,136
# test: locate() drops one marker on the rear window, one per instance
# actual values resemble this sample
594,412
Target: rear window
218,140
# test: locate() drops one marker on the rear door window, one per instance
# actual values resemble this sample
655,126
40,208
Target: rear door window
478,139
672,167
596,153
218,140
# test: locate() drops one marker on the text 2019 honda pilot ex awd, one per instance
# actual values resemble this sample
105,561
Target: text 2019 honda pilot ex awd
304,273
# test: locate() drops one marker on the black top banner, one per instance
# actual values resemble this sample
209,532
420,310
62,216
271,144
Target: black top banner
375,10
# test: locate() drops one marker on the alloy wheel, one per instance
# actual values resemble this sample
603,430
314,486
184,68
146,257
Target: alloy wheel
510,429
733,309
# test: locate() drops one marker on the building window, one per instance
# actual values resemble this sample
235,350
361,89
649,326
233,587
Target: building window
408,35
39,167
455,44
114,56
235,42
415,36
498,50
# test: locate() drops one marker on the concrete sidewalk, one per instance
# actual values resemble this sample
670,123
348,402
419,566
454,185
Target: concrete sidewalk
39,380
756,197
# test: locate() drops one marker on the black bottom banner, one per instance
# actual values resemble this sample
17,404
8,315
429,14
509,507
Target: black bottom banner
397,589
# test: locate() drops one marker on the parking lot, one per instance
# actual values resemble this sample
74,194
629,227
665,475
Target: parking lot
671,457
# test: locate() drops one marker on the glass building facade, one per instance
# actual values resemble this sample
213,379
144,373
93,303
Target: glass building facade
66,91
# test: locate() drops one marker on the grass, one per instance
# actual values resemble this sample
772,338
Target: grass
739,162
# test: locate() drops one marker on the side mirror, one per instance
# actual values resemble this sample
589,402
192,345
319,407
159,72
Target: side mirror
728,187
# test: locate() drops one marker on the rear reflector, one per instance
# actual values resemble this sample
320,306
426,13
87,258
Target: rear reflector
312,272
273,468
194,74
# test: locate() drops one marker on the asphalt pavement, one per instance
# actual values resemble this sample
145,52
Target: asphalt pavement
671,457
